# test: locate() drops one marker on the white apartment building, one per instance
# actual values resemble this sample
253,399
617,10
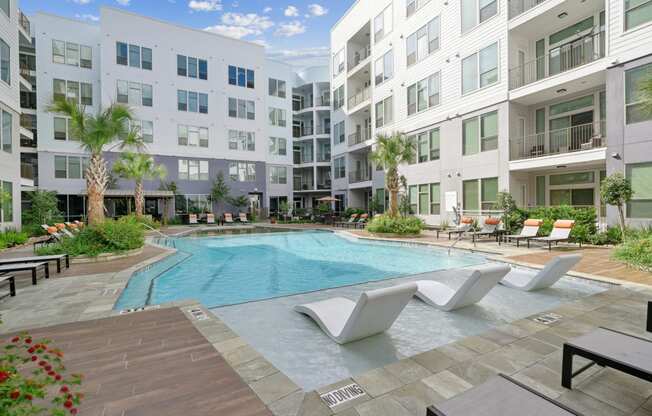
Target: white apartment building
527,96
202,109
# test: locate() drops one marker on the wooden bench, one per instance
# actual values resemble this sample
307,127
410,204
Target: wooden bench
11,281
39,259
33,267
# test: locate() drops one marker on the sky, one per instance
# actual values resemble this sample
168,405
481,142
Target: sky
294,31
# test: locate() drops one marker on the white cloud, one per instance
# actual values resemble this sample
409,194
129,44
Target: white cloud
89,17
236,32
205,5
289,29
82,2
291,11
123,2
317,10
239,25
267,10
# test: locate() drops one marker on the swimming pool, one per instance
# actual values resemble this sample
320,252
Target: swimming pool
228,270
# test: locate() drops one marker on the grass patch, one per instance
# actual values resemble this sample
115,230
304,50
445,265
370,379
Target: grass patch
637,249
10,238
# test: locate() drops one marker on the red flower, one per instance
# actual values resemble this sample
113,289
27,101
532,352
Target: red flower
64,389
73,411
58,377
15,339
67,404
34,358
48,367
42,363
14,395
3,376
29,397
52,373
31,350
28,341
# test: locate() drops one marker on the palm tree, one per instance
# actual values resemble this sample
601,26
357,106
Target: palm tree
138,167
170,187
95,133
391,151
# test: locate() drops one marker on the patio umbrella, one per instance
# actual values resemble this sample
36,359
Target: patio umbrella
328,199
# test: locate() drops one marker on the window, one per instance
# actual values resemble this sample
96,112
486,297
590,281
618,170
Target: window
413,195
424,200
146,57
640,176
86,93
121,53
63,129
470,195
384,67
279,175
423,42
193,102
480,69
193,170
277,88
4,6
192,136
134,93
6,138
192,67
383,23
480,134
338,98
144,128
81,93
243,109
277,117
278,146
489,193
475,12
435,199
244,141
242,171
541,191
339,168
241,77
58,51
637,12
414,5
5,62
338,63
70,167
184,204
134,56
635,99
384,112
85,57
339,133
423,95
7,208
72,54
427,146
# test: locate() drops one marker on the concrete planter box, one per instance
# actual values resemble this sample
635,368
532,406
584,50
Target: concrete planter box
106,257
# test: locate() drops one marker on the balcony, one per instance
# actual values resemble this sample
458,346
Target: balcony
304,131
323,157
357,176
360,57
303,184
584,50
359,137
310,103
323,129
363,96
556,142
518,7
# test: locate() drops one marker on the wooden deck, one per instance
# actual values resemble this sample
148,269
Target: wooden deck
151,363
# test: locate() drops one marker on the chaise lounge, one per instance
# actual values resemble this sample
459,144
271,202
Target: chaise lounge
554,270
561,230
465,226
489,228
530,230
346,321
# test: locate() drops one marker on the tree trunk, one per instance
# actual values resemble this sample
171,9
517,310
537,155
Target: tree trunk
621,217
139,199
392,187
96,179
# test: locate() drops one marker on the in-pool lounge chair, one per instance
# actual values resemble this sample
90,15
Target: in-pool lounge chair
561,230
228,218
530,230
608,348
489,228
476,287
554,270
465,226
346,321
501,396
243,218
352,219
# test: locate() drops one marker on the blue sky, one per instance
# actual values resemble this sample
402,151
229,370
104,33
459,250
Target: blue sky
295,31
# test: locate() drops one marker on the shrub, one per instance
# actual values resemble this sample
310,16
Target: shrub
43,210
350,211
636,250
400,225
585,220
11,238
612,236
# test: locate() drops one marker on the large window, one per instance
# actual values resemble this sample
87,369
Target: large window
133,55
242,171
145,128
480,69
78,92
278,146
70,167
6,139
7,206
244,141
427,146
423,42
277,117
134,93
480,134
190,67
479,194
414,5
423,95
339,133
384,67
338,98
193,170
435,199
71,53
193,102
635,99
184,204
637,12
475,12
63,129
243,109
5,7
277,88
338,63
640,176
384,112
5,62
279,175
192,136
339,168
241,77
383,23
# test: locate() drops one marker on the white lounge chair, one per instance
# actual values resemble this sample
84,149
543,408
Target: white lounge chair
554,270
481,281
561,231
530,230
375,311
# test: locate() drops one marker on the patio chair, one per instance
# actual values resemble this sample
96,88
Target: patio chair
210,218
501,395
243,218
465,226
476,287
63,230
554,270
608,348
346,321
530,230
362,221
561,230
74,228
80,224
489,228
228,218
192,219
353,218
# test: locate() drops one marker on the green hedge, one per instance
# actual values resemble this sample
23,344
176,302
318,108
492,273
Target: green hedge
10,238
585,220
400,225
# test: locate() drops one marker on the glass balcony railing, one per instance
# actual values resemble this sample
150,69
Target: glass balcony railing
356,176
517,7
323,129
303,185
572,139
302,131
359,137
360,56
359,97
561,59
324,157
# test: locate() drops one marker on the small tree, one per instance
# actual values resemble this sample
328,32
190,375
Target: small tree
376,204
43,210
284,209
505,202
616,190
138,167
392,151
220,191
239,202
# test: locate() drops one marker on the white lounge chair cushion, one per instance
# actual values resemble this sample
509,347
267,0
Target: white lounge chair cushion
554,270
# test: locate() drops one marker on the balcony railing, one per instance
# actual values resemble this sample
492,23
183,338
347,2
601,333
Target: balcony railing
302,131
26,170
561,59
359,97
323,129
359,137
301,159
356,176
554,142
23,21
360,56
323,157
323,101
303,185
517,7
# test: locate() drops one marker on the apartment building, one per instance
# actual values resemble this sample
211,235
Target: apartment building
536,97
311,132
14,32
202,110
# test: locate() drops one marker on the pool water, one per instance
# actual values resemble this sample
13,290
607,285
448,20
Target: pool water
228,270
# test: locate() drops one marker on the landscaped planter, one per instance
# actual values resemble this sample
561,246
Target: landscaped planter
394,235
106,257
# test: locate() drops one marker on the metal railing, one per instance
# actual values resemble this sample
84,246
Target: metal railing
359,98
571,139
323,157
23,21
359,137
302,131
561,59
303,185
356,176
517,7
360,56
301,159
323,129
323,101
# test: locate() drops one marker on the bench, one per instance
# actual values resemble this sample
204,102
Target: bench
39,259
11,281
33,267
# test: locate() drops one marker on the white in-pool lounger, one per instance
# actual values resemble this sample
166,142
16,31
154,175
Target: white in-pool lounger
554,270
345,321
481,281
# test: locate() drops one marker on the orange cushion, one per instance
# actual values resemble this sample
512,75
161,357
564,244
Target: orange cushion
364,216
60,226
533,223
467,220
492,221
73,226
52,230
564,224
